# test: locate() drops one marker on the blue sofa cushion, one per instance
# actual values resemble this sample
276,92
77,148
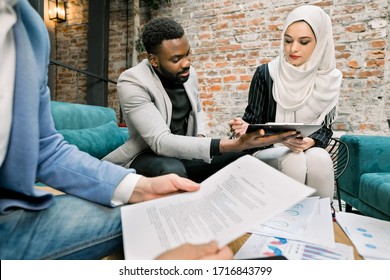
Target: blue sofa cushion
97,141
375,191
80,116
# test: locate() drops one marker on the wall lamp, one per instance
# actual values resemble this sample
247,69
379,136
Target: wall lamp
57,10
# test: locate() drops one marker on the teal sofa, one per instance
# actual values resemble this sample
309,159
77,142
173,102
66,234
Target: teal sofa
93,129
365,184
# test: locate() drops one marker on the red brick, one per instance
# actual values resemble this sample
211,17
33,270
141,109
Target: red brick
378,44
353,64
356,28
228,79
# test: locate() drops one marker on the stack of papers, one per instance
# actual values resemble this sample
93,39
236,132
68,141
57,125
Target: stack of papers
309,221
370,236
302,232
258,246
228,204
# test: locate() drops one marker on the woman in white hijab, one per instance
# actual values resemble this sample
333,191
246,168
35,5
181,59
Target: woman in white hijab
301,85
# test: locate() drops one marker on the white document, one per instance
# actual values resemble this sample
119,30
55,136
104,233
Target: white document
228,204
318,229
294,219
370,236
258,246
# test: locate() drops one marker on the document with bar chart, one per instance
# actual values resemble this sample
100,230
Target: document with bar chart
264,246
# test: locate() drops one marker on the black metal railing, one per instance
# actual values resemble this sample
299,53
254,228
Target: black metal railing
59,63
87,73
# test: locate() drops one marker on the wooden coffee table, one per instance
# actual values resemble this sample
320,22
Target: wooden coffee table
341,237
339,234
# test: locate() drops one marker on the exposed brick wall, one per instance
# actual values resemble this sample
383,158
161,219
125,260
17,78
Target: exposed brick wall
231,38
71,48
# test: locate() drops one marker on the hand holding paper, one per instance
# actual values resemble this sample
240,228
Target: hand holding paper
227,205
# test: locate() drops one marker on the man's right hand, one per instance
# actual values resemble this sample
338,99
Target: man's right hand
160,186
255,139
258,138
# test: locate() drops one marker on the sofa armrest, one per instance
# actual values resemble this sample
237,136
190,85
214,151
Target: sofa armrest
97,141
93,129
372,153
367,154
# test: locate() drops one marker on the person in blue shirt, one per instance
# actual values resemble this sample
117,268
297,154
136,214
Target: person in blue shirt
85,223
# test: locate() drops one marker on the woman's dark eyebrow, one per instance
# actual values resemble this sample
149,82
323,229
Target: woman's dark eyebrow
304,37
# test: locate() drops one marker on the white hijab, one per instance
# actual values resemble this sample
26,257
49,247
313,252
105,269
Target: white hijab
307,93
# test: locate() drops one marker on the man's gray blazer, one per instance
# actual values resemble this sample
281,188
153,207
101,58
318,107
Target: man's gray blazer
147,111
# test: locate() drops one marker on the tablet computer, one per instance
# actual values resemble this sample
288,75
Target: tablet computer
276,128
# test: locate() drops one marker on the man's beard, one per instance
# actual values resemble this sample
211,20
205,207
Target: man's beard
174,78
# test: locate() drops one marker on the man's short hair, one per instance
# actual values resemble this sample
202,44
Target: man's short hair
158,30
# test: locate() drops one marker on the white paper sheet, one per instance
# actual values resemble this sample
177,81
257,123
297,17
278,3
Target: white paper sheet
228,204
265,246
318,229
294,219
370,236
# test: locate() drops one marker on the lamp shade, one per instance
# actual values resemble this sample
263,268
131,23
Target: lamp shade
57,10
